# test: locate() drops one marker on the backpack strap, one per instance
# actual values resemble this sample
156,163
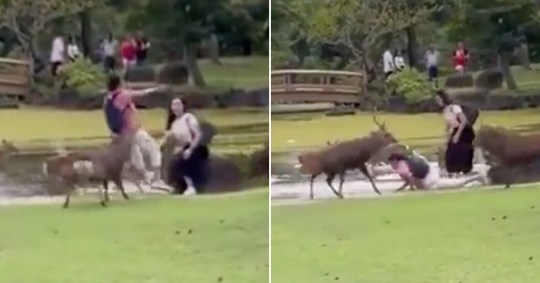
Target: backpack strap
113,98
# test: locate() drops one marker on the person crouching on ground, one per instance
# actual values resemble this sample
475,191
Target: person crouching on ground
123,118
416,172
190,153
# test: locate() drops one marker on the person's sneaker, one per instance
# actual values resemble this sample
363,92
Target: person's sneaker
160,185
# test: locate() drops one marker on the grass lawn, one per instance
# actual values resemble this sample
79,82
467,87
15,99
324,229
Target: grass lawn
293,131
46,125
153,240
473,237
239,72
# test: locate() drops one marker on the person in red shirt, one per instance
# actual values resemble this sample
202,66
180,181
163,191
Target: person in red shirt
128,51
461,58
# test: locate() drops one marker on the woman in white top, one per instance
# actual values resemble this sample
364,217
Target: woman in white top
72,49
57,54
460,136
191,156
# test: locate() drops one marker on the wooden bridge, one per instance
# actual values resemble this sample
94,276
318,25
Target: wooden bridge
14,81
310,86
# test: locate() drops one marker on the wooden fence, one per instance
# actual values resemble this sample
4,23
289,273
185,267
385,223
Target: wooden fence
309,86
14,81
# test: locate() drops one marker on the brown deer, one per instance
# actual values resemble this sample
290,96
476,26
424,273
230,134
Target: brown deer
342,156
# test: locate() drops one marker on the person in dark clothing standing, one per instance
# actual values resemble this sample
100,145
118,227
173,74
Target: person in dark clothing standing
190,153
142,45
460,136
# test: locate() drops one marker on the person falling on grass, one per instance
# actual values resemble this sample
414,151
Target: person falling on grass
417,173
122,118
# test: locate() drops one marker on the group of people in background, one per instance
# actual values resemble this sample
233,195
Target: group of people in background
132,50
394,62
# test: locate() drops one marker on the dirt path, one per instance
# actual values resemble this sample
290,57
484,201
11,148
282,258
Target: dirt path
131,190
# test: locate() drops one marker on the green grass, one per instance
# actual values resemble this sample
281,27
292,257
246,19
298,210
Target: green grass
45,124
138,241
459,237
239,72
311,130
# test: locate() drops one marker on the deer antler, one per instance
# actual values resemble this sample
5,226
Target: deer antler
380,125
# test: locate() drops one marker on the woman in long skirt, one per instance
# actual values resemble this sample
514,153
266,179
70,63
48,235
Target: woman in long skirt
190,154
460,136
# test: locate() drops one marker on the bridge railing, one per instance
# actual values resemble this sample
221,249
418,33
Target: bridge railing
305,86
14,78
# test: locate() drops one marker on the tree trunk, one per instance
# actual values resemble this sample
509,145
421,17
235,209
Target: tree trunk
193,66
412,46
86,32
507,72
213,49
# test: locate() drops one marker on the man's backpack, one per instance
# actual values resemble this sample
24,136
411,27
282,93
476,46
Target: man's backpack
471,113
113,115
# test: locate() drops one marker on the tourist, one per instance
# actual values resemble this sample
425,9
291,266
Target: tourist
191,153
108,51
128,52
399,62
388,63
417,173
123,118
72,49
142,48
459,136
461,58
432,64
57,54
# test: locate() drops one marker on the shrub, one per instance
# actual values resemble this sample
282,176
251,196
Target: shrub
84,76
411,84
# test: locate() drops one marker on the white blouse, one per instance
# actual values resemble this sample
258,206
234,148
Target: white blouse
182,129
450,114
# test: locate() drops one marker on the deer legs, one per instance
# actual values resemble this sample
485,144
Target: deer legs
329,179
364,171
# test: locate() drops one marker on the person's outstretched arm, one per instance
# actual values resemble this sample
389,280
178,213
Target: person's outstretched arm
143,92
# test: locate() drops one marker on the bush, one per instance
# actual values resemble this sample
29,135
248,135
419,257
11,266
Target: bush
411,84
83,76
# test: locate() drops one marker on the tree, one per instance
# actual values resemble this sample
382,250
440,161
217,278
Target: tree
358,25
507,19
26,18
185,23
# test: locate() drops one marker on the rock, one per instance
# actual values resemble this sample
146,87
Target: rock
141,74
175,73
459,81
258,162
224,175
489,79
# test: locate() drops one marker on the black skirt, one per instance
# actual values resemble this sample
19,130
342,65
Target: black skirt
459,156
194,168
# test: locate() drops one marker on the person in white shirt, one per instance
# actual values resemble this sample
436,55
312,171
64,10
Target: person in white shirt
108,49
399,62
191,153
388,63
57,54
72,49
432,63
